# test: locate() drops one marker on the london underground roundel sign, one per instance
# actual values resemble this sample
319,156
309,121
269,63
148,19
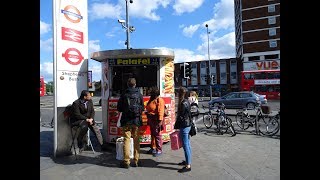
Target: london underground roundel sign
72,14
73,56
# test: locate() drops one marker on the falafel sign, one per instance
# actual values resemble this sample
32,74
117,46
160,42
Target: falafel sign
70,22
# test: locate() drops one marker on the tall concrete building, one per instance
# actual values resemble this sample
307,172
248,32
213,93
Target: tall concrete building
257,29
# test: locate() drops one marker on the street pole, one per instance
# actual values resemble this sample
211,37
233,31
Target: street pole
209,64
127,25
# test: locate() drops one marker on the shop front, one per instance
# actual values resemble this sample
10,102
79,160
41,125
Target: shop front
150,67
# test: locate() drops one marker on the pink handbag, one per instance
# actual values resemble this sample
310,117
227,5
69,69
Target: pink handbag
176,142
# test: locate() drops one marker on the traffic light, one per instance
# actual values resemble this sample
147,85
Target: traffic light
187,70
182,72
213,79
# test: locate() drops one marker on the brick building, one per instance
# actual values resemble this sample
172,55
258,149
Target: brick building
224,70
257,29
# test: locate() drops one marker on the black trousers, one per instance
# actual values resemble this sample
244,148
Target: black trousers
84,125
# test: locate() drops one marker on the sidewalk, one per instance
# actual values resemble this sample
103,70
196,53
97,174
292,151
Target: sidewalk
245,156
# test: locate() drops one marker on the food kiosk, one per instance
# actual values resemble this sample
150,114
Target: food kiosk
150,67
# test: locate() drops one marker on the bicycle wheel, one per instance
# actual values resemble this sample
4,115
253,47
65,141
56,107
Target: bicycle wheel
242,121
222,125
230,126
273,126
207,120
262,125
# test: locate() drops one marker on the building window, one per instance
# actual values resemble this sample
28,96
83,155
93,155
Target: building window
272,20
273,44
273,56
254,58
203,64
233,75
223,72
271,8
272,32
213,64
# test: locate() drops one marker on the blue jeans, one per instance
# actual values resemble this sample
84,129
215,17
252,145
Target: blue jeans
184,134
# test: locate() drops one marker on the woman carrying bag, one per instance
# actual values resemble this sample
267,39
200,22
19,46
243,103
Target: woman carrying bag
155,115
183,123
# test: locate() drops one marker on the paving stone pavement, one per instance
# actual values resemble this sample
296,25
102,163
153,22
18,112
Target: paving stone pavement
243,157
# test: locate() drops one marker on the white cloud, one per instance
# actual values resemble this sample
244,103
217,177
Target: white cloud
113,31
223,17
46,70
110,34
146,8
44,27
46,45
95,67
184,55
182,26
94,46
220,47
189,31
182,6
104,10
122,43
142,8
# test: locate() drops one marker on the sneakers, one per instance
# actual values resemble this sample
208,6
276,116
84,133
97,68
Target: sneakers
184,169
138,164
158,153
152,151
123,165
183,163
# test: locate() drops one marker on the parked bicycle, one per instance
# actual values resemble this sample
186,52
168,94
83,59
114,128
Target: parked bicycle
244,120
263,123
274,124
221,120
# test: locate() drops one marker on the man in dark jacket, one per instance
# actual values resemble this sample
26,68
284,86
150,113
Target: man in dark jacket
82,116
131,106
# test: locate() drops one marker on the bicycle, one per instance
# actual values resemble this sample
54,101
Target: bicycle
274,123
264,124
222,121
243,119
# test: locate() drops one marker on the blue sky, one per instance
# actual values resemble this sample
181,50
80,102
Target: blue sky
178,25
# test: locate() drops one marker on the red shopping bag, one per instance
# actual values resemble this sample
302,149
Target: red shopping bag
176,142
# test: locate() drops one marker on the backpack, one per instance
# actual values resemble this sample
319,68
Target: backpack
194,109
67,111
133,102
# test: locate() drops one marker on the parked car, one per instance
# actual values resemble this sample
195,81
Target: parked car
241,99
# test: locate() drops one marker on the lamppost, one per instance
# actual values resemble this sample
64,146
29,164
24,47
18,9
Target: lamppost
125,24
209,63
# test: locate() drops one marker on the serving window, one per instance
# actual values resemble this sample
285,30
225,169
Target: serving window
146,77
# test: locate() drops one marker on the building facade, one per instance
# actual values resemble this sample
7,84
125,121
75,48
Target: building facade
257,30
225,72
